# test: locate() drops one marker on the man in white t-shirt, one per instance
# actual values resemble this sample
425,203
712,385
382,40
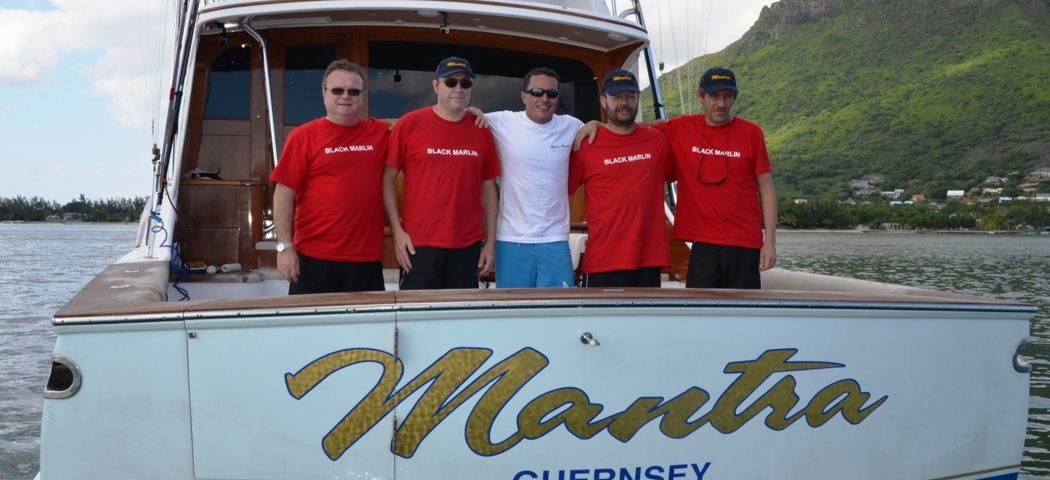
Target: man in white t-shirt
532,236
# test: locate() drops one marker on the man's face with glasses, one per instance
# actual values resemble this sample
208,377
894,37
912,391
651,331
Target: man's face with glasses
540,98
453,91
342,96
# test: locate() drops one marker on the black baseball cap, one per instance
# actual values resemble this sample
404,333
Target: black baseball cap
619,81
452,65
717,79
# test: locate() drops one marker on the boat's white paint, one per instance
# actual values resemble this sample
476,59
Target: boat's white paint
942,373
132,408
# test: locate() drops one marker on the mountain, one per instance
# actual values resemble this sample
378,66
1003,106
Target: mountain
925,95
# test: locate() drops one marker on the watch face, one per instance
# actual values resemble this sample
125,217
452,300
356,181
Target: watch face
282,247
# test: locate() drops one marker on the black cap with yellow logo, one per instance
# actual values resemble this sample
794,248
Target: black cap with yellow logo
619,81
717,79
452,65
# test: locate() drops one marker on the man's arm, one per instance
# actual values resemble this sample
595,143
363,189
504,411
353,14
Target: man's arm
402,241
283,218
480,120
768,197
589,131
490,203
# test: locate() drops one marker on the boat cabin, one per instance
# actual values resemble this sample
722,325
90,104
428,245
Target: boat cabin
229,146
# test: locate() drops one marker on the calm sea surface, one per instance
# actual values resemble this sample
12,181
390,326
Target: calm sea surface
43,265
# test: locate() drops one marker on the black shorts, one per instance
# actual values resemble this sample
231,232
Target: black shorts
722,266
440,268
328,276
639,277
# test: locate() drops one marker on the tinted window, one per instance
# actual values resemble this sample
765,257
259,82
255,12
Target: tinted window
303,72
229,85
400,74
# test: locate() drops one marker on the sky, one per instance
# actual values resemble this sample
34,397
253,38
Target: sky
83,84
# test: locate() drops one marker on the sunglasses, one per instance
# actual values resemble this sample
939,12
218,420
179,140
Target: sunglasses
538,92
339,91
452,82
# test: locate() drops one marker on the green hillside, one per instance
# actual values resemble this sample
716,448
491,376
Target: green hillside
928,95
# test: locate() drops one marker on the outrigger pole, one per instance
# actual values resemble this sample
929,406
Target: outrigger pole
654,84
670,195
178,78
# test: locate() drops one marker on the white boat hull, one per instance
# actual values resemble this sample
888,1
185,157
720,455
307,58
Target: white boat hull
748,387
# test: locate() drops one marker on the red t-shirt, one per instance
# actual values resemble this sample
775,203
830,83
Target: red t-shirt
623,179
717,169
444,164
336,172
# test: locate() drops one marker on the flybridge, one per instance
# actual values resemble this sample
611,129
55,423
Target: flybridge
595,6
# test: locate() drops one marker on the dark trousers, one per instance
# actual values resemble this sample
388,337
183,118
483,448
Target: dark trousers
640,277
327,276
722,266
441,268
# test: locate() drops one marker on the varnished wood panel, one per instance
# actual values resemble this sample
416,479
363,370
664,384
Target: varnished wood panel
211,245
231,154
220,221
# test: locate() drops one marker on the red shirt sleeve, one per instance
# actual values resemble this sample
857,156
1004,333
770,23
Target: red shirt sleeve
291,167
394,145
490,169
575,170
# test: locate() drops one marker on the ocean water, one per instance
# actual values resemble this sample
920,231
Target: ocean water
43,265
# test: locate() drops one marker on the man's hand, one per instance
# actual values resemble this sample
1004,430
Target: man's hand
589,131
480,121
487,259
403,248
288,265
767,257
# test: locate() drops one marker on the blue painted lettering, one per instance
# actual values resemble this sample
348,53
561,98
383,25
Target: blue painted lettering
652,472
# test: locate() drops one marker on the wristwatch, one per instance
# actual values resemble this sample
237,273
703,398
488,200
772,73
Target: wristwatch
282,246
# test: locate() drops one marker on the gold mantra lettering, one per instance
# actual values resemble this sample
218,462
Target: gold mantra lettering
567,406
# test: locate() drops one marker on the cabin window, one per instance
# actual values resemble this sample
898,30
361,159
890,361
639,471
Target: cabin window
303,73
400,74
229,85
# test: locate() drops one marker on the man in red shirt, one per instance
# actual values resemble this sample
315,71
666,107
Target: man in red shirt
327,204
726,200
447,235
623,174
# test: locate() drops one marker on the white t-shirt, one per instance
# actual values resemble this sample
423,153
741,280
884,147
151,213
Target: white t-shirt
534,160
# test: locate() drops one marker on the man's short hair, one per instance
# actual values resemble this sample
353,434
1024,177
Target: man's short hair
545,71
346,66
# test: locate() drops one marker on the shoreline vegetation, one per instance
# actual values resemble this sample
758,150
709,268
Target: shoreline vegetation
815,216
948,217
81,209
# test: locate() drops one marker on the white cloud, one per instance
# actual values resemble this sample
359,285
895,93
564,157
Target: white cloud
681,30
27,49
122,32
132,91
8,110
